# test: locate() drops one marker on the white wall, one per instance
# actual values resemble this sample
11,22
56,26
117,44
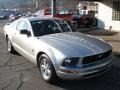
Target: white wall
105,16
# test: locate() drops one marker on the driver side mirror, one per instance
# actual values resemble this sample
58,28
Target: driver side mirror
25,32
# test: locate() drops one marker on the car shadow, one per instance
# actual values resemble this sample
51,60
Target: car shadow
117,54
16,53
103,82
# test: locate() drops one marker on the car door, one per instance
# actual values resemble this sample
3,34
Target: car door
16,35
23,42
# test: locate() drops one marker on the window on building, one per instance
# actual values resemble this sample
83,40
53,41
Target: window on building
116,11
84,7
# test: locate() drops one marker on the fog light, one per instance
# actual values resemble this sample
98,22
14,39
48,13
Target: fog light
70,71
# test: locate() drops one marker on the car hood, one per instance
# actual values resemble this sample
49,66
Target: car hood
75,44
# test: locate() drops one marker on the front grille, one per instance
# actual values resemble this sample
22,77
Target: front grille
95,58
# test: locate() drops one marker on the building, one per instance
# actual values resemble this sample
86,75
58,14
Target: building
107,12
85,6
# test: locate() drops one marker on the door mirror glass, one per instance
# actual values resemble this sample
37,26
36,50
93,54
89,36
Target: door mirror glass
23,31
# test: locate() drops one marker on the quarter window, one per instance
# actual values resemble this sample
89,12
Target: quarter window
22,25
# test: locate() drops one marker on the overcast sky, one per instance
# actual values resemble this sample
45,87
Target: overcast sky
16,3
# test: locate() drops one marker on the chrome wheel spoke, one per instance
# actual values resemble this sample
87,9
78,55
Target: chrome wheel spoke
48,72
45,73
45,68
42,67
44,62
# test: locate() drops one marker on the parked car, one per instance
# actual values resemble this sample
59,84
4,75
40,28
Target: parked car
4,14
47,13
56,50
3,17
14,16
79,19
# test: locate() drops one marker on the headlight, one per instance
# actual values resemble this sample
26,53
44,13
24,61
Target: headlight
67,61
70,62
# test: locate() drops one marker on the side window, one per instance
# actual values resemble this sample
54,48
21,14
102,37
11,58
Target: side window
22,25
37,28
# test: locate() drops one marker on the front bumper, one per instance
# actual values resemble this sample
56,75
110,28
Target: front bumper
86,70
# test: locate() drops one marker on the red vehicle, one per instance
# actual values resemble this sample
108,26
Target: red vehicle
81,19
71,16
47,13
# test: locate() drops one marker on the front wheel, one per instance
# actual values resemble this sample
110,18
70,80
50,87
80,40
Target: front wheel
46,68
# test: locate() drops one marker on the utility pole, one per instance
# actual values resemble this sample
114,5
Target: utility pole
36,5
53,8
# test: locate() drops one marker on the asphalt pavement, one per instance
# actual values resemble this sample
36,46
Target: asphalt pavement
17,73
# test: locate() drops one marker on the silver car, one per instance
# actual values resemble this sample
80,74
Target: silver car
56,50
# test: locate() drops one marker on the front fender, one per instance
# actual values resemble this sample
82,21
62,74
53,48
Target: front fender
51,55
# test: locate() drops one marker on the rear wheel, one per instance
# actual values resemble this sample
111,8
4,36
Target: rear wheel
46,68
9,46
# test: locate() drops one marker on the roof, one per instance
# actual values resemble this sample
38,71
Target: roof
40,18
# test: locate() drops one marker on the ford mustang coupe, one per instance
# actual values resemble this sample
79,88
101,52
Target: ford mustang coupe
56,50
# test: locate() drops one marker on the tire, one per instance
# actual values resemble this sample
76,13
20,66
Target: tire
9,46
95,23
46,68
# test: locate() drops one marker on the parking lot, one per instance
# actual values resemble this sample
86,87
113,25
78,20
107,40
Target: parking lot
17,73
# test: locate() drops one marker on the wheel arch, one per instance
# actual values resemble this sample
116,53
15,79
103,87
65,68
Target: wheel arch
50,54
38,55
54,74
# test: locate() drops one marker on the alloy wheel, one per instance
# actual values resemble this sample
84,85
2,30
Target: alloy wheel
45,68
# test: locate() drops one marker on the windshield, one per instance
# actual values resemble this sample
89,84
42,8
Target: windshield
45,27
63,26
